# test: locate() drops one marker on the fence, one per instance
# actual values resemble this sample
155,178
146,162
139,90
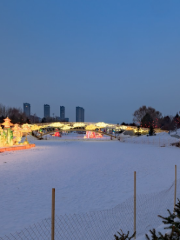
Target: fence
104,224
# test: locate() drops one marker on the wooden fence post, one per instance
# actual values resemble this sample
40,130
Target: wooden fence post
135,204
53,215
175,185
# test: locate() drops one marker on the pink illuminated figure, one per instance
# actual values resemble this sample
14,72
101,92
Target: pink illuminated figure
90,134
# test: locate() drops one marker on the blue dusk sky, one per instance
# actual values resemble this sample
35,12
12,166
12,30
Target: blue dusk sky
109,57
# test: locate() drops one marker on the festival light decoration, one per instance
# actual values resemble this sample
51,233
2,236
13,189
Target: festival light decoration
3,136
7,123
129,128
66,128
12,134
26,129
17,133
123,127
91,127
56,124
75,125
35,127
87,126
57,134
90,134
101,125
7,133
110,126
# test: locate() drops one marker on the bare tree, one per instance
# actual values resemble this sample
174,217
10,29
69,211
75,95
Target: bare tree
15,114
142,111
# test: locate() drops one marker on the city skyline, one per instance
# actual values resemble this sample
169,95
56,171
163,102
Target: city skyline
47,113
112,58
27,109
80,114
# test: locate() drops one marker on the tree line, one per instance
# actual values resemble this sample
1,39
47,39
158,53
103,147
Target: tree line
144,117
149,117
15,114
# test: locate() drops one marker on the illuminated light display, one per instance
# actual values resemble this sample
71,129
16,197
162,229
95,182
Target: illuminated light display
10,136
101,125
122,127
75,125
6,138
17,134
56,124
90,134
85,126
7,123
66,128
57,134
91,127
129,128
34,127
26,129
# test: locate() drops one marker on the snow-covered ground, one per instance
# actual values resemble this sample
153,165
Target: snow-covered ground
87,175
161,139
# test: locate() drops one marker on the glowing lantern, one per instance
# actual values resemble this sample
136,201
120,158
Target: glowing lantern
9,136
17,133
123,127
91,127
129,128
26,128
57,134
7,123
75,125
56,124
66,128
2,140
101,125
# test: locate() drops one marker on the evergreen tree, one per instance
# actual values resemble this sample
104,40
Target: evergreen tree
173,220
151,130
123,236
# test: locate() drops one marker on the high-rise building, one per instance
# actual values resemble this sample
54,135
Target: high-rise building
46,110
66,119
27,109
79,114
62,112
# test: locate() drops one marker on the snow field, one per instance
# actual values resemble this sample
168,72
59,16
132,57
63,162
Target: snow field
88,176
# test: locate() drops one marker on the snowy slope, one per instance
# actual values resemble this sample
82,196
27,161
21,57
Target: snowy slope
88,176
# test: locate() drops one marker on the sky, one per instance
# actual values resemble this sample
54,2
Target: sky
109,57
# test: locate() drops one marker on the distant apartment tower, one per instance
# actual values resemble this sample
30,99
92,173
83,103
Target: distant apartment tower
62,112
79,114
27,109
46,110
